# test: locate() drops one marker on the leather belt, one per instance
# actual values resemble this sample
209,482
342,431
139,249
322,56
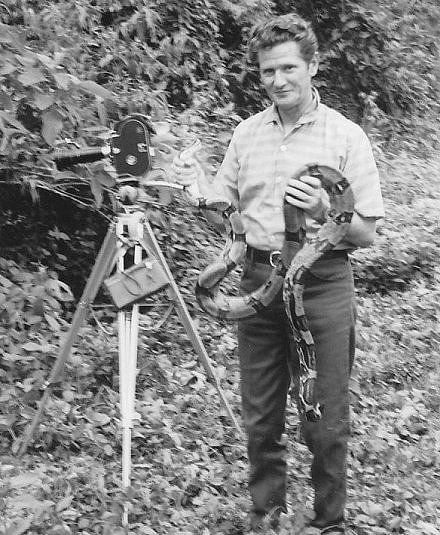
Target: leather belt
261,256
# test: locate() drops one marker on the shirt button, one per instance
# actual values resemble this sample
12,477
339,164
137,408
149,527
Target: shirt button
283,148
272,238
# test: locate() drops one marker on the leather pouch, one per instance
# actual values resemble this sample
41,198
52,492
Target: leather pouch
139,281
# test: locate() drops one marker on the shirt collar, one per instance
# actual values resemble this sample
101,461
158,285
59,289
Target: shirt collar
308,116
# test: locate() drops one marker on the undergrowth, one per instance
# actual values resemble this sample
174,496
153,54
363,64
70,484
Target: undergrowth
190,468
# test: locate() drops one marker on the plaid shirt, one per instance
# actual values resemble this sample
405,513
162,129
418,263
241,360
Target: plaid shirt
262,156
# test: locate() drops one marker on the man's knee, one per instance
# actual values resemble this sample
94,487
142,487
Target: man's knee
265,439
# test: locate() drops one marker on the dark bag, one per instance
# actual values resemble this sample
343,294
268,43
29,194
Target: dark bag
135,283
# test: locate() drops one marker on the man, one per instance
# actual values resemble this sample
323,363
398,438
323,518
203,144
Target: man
264,153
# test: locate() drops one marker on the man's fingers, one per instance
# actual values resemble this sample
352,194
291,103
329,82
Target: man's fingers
187,162
296,202
184,179
184,171
178,163
297,187
297,193
312,181
308,184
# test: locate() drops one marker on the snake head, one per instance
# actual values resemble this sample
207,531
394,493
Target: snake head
314,413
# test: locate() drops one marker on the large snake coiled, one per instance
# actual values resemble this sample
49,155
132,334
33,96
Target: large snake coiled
294,261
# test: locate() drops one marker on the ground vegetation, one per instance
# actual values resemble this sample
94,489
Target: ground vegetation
72,69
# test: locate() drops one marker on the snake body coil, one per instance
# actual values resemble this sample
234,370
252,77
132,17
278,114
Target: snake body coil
294,260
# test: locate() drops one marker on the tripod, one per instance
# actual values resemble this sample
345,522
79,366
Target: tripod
129,240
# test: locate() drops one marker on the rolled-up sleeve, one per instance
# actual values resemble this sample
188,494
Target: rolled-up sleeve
224,183
361,171
227,175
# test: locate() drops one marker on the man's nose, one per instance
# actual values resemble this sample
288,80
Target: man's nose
278,79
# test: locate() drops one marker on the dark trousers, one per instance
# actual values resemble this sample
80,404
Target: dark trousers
268,361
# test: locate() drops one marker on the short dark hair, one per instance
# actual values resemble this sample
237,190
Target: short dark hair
281,29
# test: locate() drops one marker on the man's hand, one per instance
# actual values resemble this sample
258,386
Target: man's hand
186,172
190,174
308,194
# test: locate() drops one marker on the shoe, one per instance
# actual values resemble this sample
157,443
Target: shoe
263,523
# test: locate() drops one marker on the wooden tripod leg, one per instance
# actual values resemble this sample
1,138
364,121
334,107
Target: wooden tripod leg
128,328
188,323
104,262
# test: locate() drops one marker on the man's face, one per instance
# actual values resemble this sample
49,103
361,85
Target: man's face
286,76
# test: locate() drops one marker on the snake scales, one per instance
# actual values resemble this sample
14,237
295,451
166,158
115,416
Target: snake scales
294,260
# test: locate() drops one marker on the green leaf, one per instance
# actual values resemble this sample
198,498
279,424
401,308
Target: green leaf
102,112
8,118
7,35
105,178
25,480
8,68
64,503
63,80
31,76
19,526
6,283
52,322
5,101
427,528
43,101
97,190
46,60
145,530
32,346
96,89
7,421
52,126
100,418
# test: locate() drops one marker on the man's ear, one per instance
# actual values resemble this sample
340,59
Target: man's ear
314,64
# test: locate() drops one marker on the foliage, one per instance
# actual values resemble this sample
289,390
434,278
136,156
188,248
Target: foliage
378,66
399,259
190,467
145,53
72,69
54,233
388,57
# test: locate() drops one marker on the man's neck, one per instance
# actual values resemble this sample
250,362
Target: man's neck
289,117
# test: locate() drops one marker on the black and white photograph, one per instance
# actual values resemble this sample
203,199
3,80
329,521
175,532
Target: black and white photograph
219,267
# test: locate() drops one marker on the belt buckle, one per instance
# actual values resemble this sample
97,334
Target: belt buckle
271,258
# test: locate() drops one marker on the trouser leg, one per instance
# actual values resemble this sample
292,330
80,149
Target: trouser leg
262,347
265,348
329,309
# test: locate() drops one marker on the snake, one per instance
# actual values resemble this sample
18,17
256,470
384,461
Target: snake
290,268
